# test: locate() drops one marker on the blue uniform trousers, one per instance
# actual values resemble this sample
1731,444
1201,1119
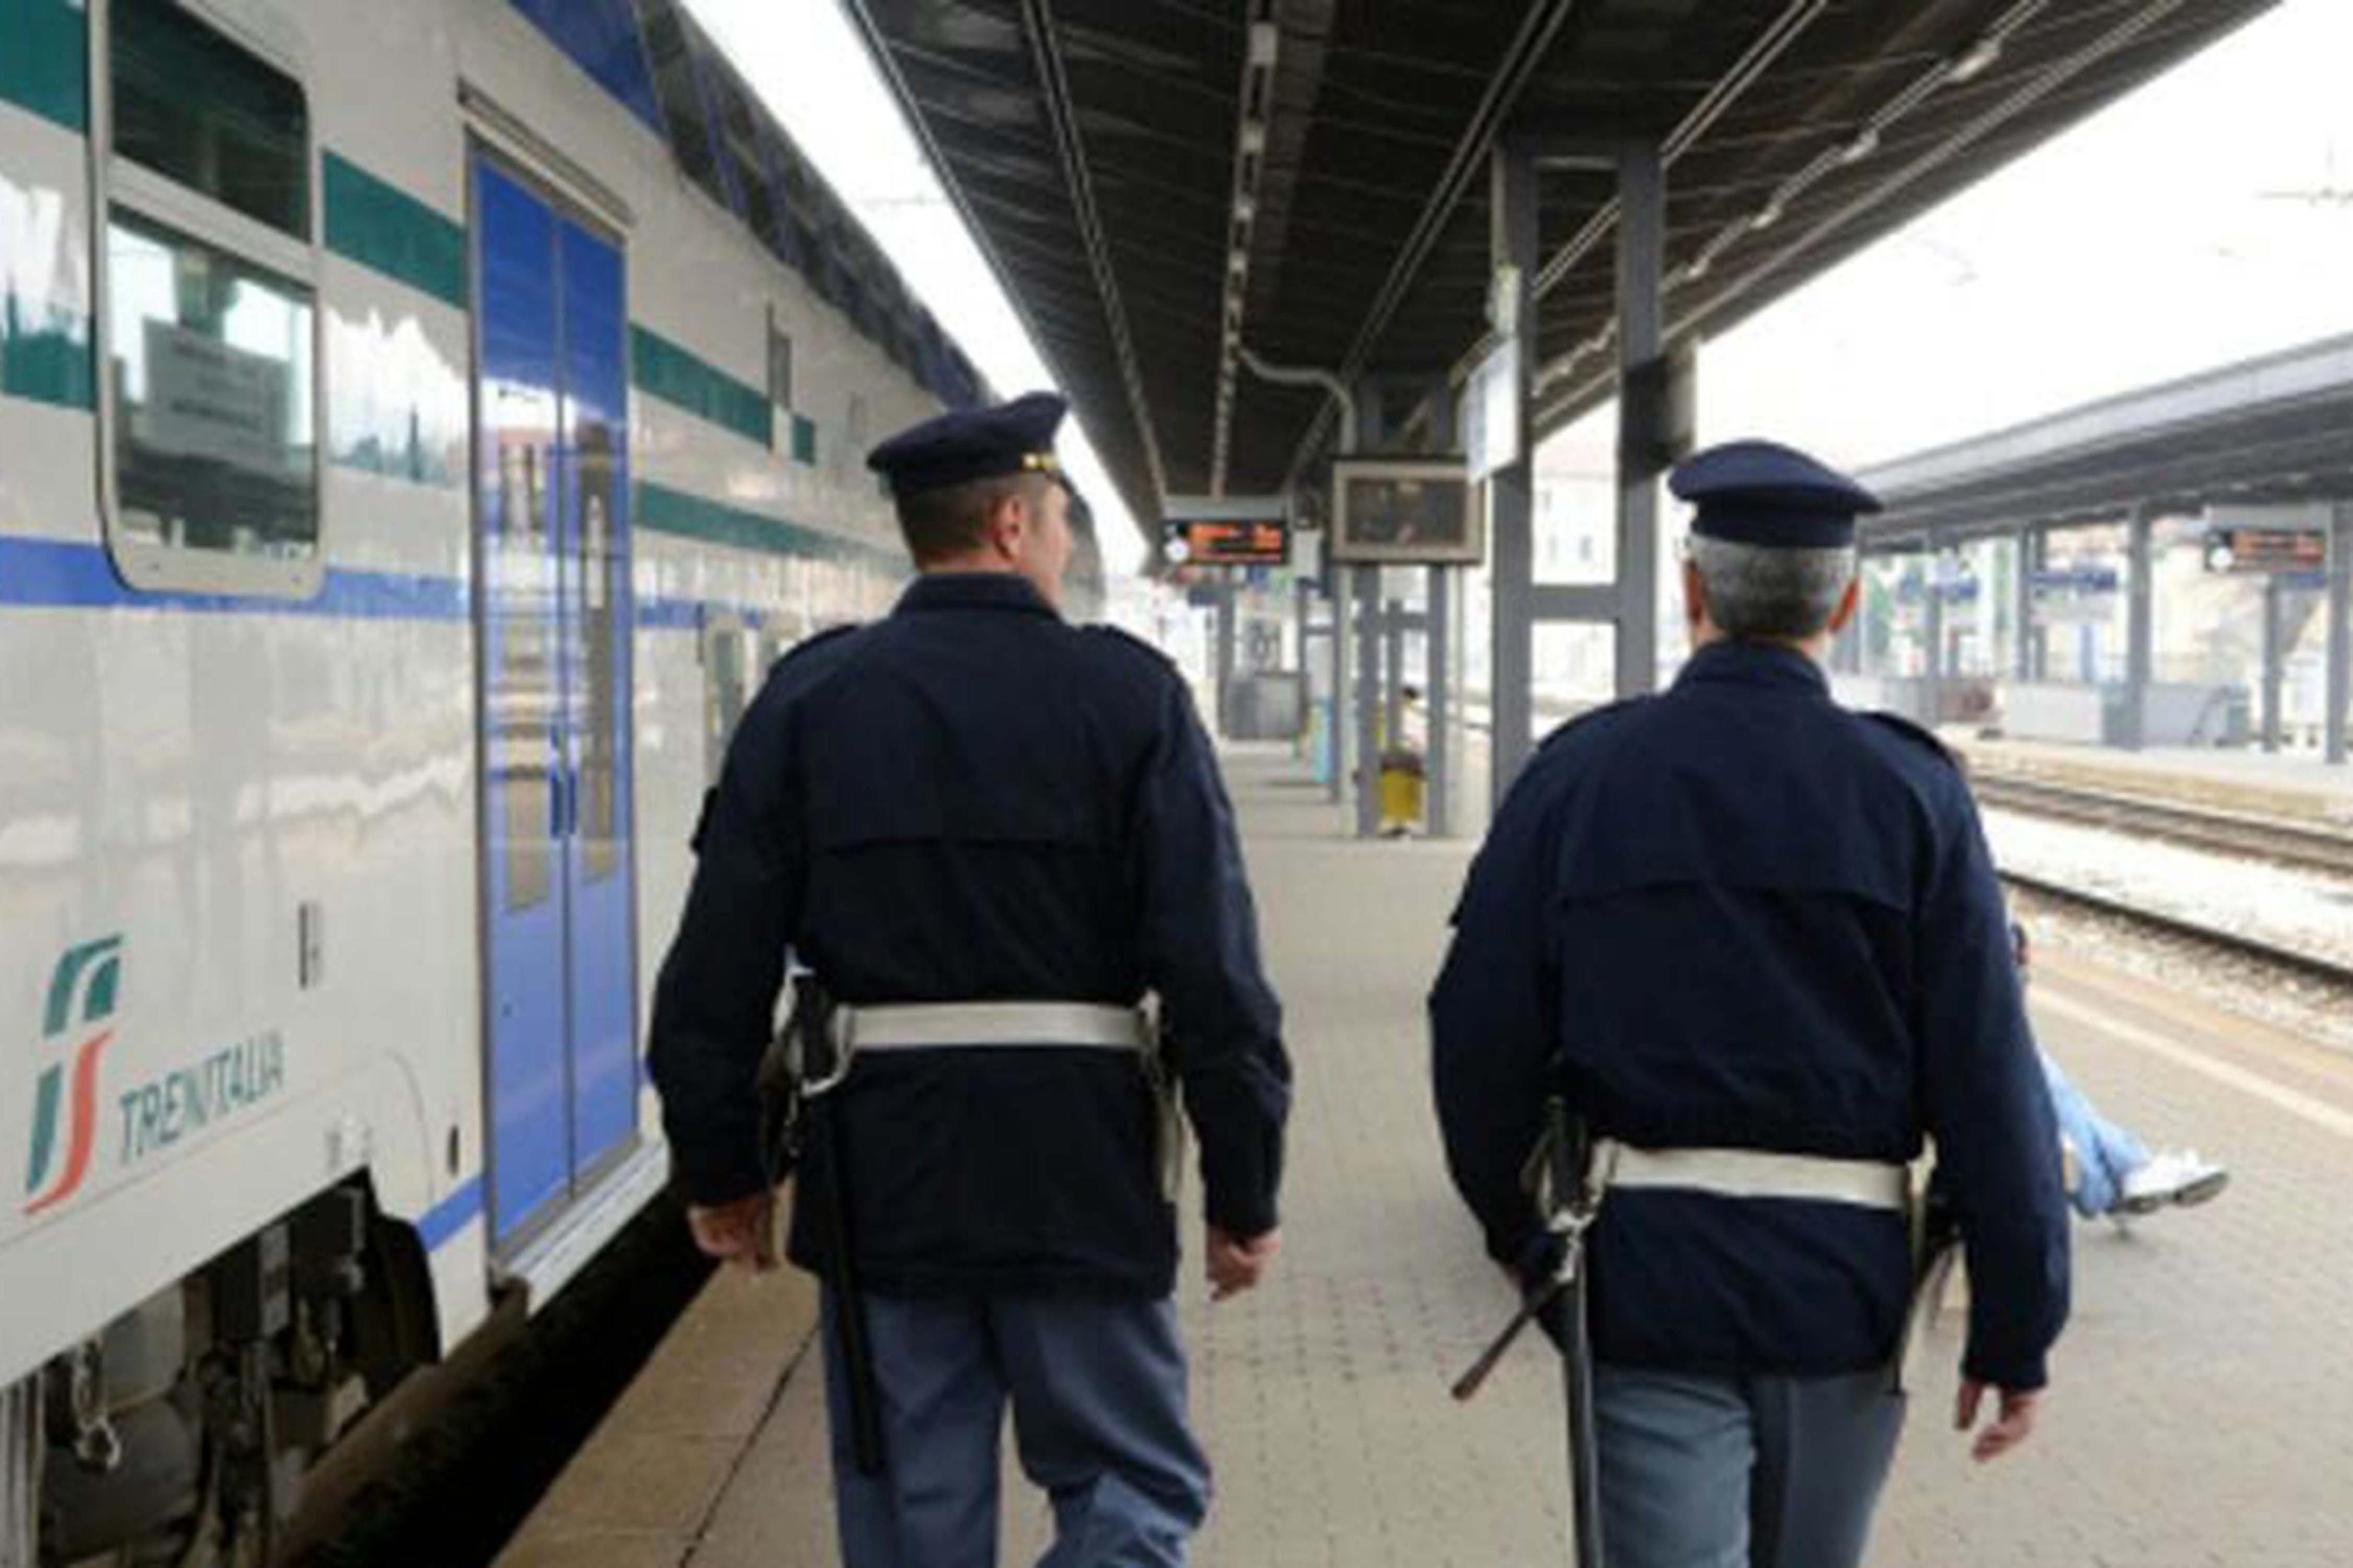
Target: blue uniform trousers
1097,1388
1741,1472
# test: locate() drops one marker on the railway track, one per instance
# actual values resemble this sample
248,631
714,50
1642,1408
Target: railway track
2277,956
2304,845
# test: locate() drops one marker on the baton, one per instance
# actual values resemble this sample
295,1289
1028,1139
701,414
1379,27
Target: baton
1532,1307
1573,1191
849,1307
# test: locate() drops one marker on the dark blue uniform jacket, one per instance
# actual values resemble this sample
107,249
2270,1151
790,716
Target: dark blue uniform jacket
974,801
1738,915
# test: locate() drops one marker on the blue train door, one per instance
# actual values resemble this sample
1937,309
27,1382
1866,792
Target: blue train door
554,612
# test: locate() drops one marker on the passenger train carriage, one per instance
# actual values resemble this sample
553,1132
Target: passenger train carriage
419,426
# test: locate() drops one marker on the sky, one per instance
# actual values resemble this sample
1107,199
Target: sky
2148,243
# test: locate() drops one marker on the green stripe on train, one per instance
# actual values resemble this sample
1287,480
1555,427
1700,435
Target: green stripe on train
48,360
378,225
676,375
45,60
665,510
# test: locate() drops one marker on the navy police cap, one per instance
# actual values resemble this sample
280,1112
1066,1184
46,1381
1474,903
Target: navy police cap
1760,492
974,444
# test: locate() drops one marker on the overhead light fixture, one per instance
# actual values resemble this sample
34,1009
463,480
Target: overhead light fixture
1265,38
1254,136
1767,216
1245,209
1976,58
1238,262
1865,143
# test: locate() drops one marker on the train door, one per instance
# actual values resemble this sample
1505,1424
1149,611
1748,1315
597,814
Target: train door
555,618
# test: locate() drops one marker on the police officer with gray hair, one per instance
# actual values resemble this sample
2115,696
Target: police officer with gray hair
987,835
1753,942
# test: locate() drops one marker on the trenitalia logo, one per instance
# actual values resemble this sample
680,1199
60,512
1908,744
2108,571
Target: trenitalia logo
82,991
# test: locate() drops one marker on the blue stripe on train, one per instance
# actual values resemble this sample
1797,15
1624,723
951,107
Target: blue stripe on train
452,1214
62,573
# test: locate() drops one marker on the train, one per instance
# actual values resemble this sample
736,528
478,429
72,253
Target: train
420,426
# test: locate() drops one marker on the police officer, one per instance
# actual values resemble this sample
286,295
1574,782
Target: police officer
1754,940
989,833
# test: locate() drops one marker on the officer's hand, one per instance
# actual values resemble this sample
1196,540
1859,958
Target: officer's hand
1236,1265
736,1231
2014,1425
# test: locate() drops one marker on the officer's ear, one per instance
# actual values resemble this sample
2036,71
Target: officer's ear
1011,515
1694,594
1847,605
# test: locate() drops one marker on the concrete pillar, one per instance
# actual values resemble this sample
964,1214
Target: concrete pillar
1511,490
2140,625
2340,629
2274,657
1641,251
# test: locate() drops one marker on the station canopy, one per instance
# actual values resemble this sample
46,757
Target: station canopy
1157,181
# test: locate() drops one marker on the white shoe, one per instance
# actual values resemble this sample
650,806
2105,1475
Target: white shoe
2174,1176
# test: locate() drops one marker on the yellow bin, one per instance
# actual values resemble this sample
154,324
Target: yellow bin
1401,791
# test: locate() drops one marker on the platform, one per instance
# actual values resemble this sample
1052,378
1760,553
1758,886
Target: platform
2300,788
2202,1409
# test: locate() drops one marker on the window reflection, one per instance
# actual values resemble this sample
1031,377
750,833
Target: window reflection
210,356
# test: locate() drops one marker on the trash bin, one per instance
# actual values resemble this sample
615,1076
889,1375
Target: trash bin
1403,776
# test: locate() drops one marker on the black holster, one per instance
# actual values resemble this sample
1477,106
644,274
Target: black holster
803,1053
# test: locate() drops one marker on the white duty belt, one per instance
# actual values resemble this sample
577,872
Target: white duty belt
1757,1174
949,1025
960,1025
1754,1174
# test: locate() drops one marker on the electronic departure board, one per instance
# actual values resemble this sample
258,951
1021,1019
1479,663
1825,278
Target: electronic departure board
1221,541
1226,531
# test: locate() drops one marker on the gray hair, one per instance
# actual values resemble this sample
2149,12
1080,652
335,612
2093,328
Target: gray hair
1754,591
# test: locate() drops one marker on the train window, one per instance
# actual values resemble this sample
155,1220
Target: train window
780,364
196,108
211,373
208,318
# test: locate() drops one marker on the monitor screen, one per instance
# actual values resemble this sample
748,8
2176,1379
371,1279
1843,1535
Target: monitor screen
1417,510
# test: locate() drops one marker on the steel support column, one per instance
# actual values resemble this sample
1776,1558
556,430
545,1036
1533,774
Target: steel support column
2339,685
1641,260
1336,589
2140,625
1443,641
1445,670
1368,611
1931,670
2026,547
2274,657
1227,637
1511,490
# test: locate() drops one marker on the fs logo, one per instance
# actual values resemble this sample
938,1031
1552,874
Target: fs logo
82,992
